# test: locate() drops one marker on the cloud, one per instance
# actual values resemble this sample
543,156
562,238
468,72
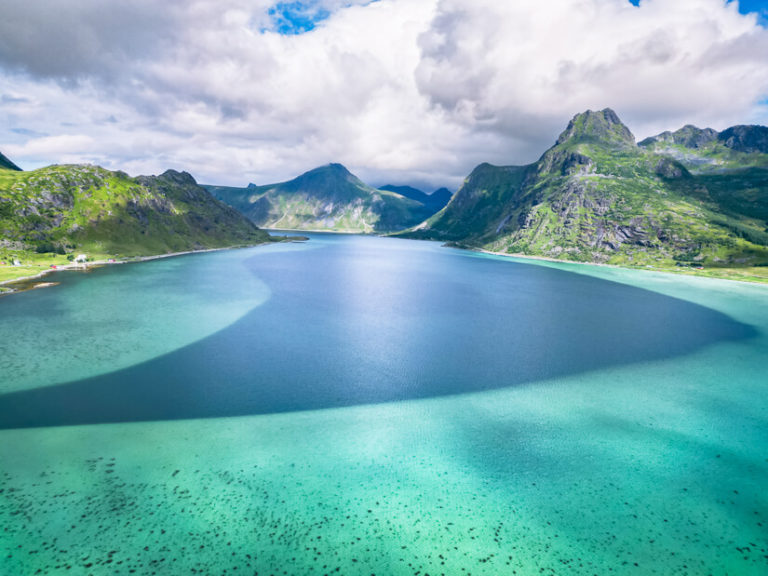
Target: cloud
71,40
402,90
681,61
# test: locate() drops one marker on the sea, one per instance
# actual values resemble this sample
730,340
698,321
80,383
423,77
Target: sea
362,405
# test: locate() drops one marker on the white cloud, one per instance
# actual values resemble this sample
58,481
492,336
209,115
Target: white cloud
405,90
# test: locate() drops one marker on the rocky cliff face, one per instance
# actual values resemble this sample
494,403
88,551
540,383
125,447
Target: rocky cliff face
747,139
597,196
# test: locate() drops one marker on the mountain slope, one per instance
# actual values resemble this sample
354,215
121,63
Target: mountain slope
7,164
729,168
694,196
441,196
326,198
66,209
435,201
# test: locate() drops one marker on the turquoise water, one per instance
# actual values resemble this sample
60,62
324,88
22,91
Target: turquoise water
101,321
382,406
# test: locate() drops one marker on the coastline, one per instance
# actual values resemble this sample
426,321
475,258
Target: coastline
732,274
712,273
6,286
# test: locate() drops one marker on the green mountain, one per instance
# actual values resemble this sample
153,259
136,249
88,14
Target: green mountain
326,198
692,197
435,201
705,150
6,163
87,209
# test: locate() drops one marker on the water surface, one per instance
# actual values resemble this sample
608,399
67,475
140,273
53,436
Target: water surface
389,407
349,320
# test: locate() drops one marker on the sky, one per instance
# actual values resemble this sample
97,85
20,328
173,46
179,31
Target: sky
400,91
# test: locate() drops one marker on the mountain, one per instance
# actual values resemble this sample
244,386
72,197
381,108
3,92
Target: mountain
76,208
7,164
326,198
706,150
441,196
436,201
694,196
687,137
745,139
603,128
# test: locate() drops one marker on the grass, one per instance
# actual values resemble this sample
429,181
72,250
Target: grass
33,264
11,273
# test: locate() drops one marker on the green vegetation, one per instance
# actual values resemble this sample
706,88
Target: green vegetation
49,215
326,198
693,199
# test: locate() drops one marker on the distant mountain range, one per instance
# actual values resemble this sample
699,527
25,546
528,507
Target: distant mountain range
332,198
691,197
77,208
436,200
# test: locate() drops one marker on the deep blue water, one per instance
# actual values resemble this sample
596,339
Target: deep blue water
349,320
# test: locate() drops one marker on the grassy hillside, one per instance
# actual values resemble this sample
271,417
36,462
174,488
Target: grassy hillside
691,198
49,214
326,198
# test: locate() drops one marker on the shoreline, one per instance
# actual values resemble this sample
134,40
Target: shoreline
670,270
682,271
8,284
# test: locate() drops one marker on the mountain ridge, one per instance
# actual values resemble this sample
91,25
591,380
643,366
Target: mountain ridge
685,198
328,197
65,209
437,199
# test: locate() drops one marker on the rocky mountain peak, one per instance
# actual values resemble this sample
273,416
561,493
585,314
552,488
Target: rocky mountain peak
326,174
689,136
746,138
181,178
602,126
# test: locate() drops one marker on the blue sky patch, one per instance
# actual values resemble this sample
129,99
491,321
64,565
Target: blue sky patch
298,17
746,6
759,7
292,18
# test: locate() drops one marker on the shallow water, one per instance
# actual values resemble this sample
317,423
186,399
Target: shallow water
390,407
